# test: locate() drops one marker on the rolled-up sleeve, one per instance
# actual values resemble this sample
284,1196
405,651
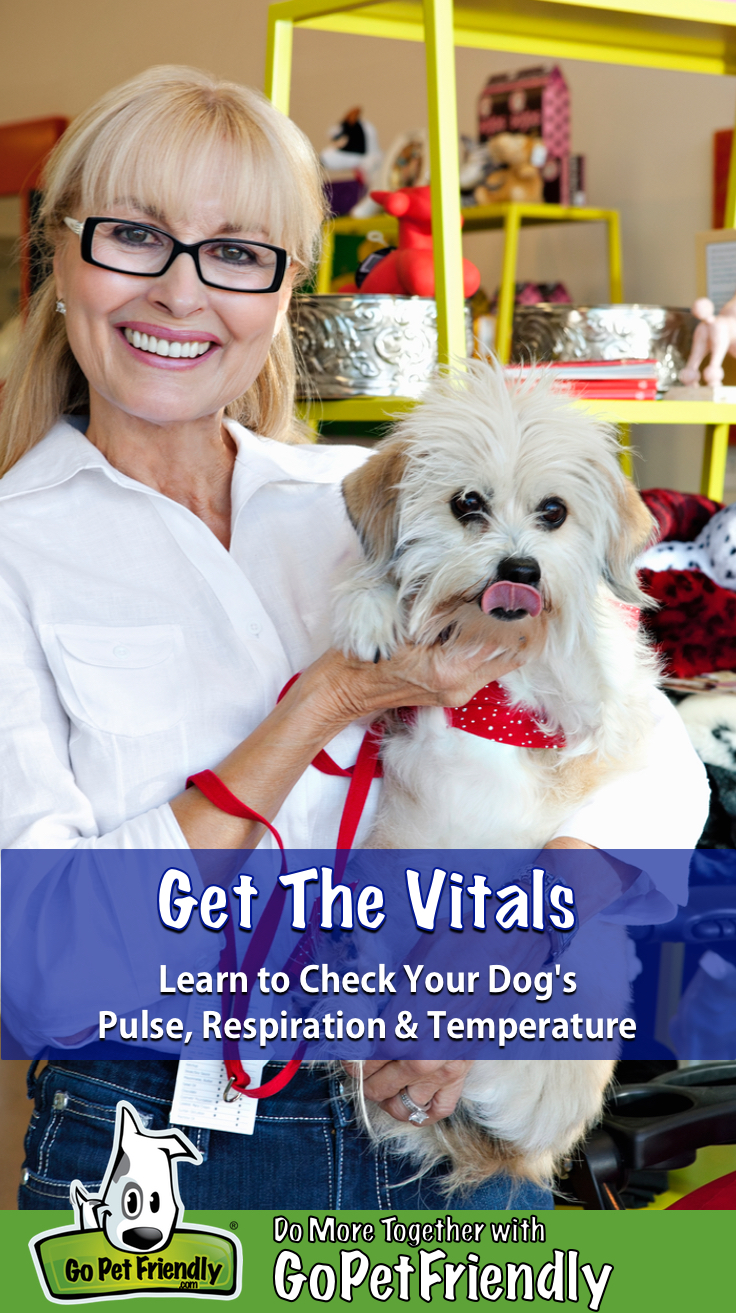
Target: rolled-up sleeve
662,805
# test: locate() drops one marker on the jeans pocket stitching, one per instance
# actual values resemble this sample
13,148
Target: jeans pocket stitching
107,1118
28,1137
386,1179
271,1117
54,1181
47,1142
330,1175
110,1085
376,1166
56,1189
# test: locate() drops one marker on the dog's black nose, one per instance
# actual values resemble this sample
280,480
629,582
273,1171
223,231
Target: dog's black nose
142,1237
520,570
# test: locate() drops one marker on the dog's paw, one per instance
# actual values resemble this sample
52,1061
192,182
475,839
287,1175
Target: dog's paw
366,622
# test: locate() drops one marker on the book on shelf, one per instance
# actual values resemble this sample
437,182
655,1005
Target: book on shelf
625,380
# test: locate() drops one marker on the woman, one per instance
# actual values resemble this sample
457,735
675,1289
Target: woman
164,573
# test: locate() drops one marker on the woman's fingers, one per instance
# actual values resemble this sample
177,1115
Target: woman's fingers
343,689
391,1077
368,1067
456,674
434,1086
435,1101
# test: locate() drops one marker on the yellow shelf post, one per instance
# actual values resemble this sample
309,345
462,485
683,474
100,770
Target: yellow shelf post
626,460
445,179
715,454
729,216
279,46
615,262
323,282
507,290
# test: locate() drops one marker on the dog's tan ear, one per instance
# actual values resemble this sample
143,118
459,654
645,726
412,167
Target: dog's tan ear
371,497
634,529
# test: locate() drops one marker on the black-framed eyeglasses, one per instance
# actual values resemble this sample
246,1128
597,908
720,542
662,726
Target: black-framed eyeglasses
232,265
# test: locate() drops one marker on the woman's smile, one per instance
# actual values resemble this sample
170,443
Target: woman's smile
167,348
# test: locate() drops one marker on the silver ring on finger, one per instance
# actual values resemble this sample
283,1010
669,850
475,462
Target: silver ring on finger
418,1113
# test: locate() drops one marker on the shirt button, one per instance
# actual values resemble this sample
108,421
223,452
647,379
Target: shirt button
121,651
254,627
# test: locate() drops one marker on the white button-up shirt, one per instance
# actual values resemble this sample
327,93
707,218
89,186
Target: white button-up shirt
135,650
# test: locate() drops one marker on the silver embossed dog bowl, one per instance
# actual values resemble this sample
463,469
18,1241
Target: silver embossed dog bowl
359,345
605,332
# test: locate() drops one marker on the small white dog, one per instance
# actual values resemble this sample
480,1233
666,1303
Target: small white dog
491,502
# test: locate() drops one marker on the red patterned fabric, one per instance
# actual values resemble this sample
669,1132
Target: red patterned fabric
491,715
695,627
679,515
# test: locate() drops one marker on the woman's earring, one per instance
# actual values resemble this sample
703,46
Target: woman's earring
61,307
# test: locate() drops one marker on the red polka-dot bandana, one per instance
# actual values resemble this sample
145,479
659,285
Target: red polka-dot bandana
491,715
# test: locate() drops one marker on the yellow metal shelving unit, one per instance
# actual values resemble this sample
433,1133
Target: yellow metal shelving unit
509,216
690,35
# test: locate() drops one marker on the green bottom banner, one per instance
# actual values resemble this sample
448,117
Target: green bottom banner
630,1261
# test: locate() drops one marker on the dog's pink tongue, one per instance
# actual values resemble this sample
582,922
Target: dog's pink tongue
507,596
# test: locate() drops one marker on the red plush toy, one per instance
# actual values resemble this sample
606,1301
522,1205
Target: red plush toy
409,271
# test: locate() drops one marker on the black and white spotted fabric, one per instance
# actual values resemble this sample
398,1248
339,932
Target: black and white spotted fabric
713,551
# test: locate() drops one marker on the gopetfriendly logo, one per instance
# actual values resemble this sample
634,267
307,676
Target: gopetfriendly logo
129,1239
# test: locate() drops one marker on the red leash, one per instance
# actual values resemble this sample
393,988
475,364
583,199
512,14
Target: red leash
489,714
220,796
367,768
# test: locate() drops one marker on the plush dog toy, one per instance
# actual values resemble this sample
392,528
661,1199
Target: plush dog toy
409,271
516,176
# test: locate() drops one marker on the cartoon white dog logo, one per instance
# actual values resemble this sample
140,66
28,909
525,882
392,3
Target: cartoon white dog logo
139,1204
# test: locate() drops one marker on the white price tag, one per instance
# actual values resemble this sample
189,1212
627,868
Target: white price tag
198,1098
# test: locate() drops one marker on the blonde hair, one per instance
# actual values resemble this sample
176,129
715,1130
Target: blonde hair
152,141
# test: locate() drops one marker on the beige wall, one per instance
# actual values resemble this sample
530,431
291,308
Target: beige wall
647,135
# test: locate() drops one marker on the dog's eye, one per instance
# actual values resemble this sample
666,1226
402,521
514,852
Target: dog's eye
552,512
154,1202
469,507
132,1200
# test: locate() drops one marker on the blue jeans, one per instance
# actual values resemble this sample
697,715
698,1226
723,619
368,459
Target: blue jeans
307,1150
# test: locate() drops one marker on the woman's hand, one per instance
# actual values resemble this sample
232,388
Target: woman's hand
332,693
343,689
434,1086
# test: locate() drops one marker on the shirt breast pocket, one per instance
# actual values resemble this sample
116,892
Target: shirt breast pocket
124,680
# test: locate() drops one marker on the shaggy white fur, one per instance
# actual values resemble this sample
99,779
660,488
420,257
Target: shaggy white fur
508,451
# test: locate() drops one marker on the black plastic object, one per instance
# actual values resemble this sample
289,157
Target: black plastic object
708,919
658,1125
370,262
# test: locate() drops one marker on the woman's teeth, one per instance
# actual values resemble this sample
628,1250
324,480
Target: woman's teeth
161,346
